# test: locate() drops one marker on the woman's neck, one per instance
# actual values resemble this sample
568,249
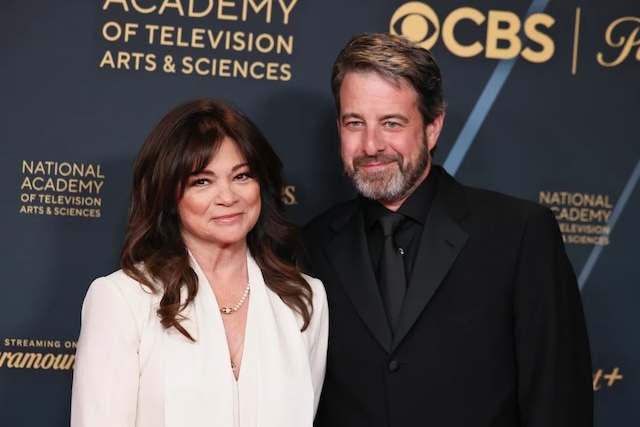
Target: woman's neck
221,261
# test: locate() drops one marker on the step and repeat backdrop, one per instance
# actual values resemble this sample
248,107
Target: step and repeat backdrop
543,103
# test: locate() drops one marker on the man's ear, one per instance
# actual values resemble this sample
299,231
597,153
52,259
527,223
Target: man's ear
432,131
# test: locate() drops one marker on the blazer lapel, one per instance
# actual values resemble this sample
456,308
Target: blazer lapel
178,352
441,241
195,372
349,254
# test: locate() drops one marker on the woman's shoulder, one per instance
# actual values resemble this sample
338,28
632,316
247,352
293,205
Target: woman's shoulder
120,301
120,285
317,287
314,282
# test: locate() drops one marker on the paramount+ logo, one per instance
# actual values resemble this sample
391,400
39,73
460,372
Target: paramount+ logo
467,32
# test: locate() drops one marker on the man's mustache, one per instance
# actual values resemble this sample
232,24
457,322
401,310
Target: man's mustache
378,158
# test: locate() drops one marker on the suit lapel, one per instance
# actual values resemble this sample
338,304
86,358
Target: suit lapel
441,241
349,254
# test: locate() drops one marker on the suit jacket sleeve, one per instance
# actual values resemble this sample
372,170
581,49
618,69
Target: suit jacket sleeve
552,349
105,381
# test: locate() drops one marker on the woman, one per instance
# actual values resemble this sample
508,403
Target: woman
209,322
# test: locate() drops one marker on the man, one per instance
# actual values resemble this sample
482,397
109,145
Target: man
449,306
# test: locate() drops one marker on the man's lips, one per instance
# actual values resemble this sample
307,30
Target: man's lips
374,166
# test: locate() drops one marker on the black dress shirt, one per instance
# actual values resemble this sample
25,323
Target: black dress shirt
407,236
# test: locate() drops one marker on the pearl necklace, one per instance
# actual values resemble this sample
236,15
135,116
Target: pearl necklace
231,310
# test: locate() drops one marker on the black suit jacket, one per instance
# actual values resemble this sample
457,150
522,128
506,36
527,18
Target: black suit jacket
492,331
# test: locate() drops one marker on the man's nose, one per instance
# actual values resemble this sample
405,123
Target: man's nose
373,141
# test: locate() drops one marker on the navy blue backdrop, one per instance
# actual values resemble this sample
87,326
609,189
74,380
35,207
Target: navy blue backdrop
543,103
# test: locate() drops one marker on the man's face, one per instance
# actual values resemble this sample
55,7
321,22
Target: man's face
384,142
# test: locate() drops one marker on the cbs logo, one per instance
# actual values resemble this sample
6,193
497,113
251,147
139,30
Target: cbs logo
419,22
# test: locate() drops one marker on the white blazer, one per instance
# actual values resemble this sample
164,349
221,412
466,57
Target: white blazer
131,371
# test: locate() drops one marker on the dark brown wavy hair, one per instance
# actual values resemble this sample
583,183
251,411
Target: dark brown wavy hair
396,59
154,252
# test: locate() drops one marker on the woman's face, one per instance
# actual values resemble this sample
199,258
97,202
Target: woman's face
220,204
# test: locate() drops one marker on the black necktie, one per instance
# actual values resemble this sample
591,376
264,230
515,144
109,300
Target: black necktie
391,276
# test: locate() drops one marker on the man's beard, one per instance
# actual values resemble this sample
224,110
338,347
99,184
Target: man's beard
388,184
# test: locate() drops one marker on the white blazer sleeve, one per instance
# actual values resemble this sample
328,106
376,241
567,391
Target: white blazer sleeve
318,332
105,380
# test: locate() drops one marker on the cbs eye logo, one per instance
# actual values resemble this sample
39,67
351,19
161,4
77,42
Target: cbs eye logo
415,20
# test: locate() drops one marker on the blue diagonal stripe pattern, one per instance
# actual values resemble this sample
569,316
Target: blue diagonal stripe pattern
484,104
617,211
